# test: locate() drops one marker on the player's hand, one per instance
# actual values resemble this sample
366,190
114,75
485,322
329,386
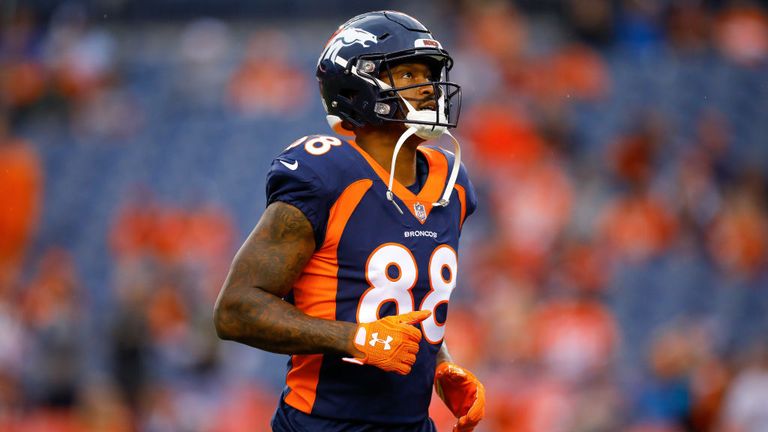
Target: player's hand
462,393
390,343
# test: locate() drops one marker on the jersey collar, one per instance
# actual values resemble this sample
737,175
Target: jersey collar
420,205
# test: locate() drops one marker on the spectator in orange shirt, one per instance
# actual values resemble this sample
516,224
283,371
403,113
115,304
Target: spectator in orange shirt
266,83
21,189
741,34
738,239
637,224
574,338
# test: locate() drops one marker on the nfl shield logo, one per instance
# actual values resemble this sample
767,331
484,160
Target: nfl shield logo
421,212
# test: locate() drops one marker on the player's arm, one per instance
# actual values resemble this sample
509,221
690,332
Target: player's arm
250,308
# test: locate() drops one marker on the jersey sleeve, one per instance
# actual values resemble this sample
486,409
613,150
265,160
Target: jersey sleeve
471,197
471,194
293,181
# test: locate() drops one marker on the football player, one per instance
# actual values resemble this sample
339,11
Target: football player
351,267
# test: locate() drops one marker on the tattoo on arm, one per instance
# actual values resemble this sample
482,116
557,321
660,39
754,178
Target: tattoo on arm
250,309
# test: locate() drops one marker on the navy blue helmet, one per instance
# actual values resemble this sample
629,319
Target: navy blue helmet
368,45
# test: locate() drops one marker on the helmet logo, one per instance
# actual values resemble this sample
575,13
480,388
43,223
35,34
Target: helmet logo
348,36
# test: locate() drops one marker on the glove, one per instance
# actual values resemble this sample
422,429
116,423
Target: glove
462,393
391,343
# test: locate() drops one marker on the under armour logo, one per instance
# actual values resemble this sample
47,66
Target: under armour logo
375,339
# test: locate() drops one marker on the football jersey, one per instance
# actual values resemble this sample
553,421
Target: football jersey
370,261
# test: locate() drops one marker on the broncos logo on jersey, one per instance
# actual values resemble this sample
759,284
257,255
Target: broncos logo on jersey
348,36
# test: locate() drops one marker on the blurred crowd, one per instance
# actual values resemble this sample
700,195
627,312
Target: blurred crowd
615,277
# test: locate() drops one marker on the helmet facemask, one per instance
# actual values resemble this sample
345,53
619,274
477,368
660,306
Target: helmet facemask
392,106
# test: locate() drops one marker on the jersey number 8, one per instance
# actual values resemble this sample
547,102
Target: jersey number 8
392,273
317,145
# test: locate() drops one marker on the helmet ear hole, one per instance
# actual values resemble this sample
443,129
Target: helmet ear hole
348,94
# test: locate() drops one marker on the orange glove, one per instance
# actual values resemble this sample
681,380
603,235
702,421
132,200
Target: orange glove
390,343
462,393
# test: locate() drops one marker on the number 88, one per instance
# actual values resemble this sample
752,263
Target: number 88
384,287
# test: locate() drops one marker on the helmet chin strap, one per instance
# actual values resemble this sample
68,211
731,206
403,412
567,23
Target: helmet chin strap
454,174
390,196
426,132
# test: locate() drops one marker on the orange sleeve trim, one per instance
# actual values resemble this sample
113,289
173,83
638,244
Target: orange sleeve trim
315,295
463,200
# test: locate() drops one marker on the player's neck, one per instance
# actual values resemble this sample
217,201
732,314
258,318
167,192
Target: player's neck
380,145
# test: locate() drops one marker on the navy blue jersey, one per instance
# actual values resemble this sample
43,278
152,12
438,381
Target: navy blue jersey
370,261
